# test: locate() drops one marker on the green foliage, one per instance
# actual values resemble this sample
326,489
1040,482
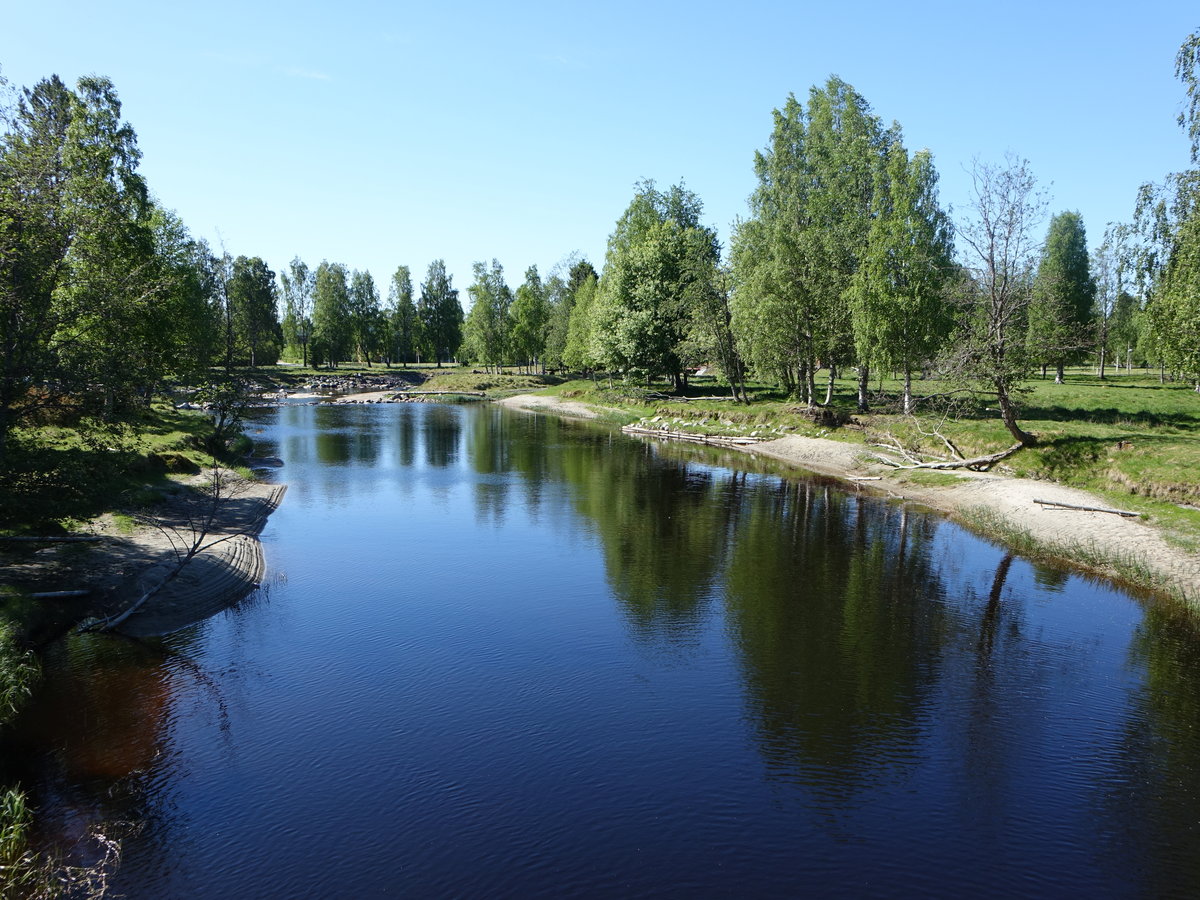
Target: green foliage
530,319
579,354
561,295
810,218
332,324
79,279
440,314
227,400
656,256
487,330
18,671
1063,295
899,310
1175,312
253,311
368,325
404,325
298,283
1187,70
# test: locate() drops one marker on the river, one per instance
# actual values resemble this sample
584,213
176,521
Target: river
509,655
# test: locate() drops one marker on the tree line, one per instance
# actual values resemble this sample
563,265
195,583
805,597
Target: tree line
846,262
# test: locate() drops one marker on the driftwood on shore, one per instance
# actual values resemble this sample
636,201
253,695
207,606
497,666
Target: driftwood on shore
716,440
977,463
1099,509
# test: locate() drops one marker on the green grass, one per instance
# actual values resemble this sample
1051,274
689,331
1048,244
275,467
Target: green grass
64,473
931,478
18,671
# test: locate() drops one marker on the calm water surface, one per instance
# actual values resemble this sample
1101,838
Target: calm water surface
505,655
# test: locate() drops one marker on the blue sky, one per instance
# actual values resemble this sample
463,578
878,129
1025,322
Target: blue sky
378,134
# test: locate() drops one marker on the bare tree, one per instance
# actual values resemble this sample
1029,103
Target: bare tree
1002,251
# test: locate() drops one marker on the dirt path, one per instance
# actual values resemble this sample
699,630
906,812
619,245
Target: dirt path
1111,544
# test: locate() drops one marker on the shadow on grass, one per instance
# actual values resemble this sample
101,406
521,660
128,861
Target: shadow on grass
1111,416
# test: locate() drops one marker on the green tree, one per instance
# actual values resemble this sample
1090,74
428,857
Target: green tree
332,333
402,311
365,326
440,313
1063,295
795,258
900,315
655,254
253,303
1112,309
711,335
1187,70
579,353
487,331
1168,222
297,301
530,320
1175,313
561,293
76,250
189,333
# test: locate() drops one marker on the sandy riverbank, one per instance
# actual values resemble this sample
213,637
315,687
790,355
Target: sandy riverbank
1085,538
556,405
121,565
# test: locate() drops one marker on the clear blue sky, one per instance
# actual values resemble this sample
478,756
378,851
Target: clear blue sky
376,134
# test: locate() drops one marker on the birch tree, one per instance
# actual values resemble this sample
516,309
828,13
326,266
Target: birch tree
1001,252
900,314
795,258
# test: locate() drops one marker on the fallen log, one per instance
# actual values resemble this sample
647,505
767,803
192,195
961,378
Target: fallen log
60,595
1100,509
978,463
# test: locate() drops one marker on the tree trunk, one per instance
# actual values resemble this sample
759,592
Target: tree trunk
864,375
908,401
829,387
1008,414
1101,363
1058,374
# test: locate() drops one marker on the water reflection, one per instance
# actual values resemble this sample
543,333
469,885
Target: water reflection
835,604
514,651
